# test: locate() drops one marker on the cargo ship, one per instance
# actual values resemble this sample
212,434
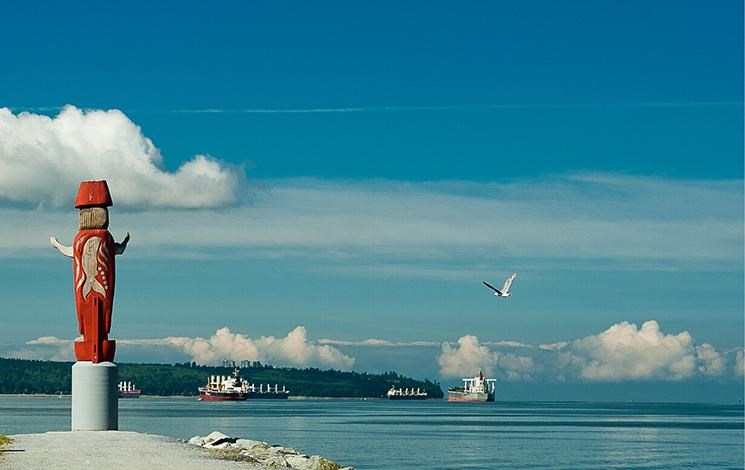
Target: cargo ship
222,388
476,389
405,394
127,390
267,393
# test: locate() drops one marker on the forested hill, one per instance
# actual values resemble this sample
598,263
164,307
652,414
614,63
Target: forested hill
27,376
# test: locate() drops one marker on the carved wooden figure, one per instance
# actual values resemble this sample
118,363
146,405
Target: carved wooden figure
93,251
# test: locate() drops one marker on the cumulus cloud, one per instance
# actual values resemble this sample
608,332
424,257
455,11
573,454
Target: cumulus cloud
517,367
711,363
374,342
466,357
624,352
43,159
620,353
295,349
740,362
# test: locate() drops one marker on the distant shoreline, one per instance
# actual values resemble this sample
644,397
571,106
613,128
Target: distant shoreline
67,395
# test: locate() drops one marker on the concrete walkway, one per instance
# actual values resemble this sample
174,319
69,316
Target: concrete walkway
109,450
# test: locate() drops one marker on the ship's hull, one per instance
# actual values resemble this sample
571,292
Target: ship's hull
130,394
407,397
458,396
219,396
268,396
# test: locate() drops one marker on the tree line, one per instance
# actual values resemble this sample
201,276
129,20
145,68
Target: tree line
50,377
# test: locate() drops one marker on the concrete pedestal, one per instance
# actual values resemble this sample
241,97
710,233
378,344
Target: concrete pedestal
95,396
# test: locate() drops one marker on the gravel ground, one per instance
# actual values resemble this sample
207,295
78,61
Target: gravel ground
109,449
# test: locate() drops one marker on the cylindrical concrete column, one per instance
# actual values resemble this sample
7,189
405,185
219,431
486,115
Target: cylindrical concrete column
95,397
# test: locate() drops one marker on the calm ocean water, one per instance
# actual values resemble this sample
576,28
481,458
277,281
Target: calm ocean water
434,434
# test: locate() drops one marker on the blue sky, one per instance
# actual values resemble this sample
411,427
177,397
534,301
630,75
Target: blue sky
368,165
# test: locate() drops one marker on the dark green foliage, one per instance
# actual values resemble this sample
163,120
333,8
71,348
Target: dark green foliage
25,376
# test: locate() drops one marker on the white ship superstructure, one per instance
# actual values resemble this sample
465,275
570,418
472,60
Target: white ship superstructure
476,389
405,393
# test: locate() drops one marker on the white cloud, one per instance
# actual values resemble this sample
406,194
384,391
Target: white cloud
295,349
466,358
625,352
50,340
740,362
440,230
374,342
43,159
711,363
48,348
554,346
517,367
508,344
630,220
620,353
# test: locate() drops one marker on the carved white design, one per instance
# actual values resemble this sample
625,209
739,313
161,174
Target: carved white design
90,259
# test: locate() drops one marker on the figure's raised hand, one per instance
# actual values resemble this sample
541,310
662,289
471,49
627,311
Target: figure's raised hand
120,247
65,250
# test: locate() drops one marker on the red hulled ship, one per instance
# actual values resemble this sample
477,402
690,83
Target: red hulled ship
222,388
127,390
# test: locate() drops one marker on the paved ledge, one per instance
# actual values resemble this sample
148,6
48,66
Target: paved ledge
109,449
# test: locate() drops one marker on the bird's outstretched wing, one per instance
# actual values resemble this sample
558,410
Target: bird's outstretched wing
508,282
491,287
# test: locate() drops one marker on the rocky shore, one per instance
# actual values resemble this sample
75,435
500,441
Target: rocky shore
122,449
260,452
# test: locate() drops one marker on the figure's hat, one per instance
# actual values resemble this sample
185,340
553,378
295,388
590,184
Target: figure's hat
92,194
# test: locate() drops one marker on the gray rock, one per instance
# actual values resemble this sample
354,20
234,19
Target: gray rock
196,441
248,444
315,462
215,436
260,453
282,450
221,445
275,461
298,461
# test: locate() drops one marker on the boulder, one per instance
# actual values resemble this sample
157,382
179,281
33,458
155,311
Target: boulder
216,439
274,461
274,456
196,441
282,450
215,436
260,453
222,445
248,444
315,462
298,461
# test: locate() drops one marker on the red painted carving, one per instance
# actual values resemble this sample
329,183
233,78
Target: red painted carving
93,275
93,194
93,252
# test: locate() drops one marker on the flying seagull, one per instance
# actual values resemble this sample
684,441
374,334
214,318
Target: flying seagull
505,292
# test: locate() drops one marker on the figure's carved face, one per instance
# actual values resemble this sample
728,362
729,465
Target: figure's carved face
93,217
